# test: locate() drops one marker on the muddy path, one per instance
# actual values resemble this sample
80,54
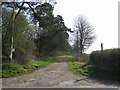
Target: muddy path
55,75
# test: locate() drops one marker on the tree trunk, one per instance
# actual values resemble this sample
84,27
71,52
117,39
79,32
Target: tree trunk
12,36
14,16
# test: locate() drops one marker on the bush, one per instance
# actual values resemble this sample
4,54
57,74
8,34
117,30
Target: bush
73,66
107,57
78,68
9,70
21,56
107,63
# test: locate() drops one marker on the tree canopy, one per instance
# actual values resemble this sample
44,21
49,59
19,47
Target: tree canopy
84,36
19,37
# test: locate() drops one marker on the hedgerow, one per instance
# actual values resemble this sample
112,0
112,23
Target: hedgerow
107,63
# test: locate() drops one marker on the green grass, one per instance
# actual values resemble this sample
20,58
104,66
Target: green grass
110,73
12,70
78,68
73,66
0,70
65,56
16,69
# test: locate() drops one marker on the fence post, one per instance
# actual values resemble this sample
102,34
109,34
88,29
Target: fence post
101,53
101,47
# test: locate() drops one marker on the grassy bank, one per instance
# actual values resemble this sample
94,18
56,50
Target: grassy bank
104,65
80,68
11,70
94,71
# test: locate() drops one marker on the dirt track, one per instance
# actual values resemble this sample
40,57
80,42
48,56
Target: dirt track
55,75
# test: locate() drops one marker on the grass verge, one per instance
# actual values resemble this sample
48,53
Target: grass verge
12,70
79,68
94,71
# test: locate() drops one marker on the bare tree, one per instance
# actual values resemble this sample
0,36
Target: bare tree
84,36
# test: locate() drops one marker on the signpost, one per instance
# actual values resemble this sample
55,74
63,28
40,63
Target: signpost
101,53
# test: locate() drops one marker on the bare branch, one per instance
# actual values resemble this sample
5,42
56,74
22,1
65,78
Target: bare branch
84,35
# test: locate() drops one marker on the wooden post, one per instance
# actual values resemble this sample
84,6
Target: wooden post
101,53
101,47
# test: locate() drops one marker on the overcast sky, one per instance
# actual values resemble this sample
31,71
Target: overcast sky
102,14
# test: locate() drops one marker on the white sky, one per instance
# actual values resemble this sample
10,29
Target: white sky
102,14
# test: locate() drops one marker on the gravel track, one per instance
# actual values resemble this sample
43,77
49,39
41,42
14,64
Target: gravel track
55,75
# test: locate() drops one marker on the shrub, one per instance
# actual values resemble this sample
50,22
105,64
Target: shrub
107,63
78,68
21,56
107,57
9,70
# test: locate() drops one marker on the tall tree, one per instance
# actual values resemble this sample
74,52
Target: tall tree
0,31
19,35
14,6
52,32
84,35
